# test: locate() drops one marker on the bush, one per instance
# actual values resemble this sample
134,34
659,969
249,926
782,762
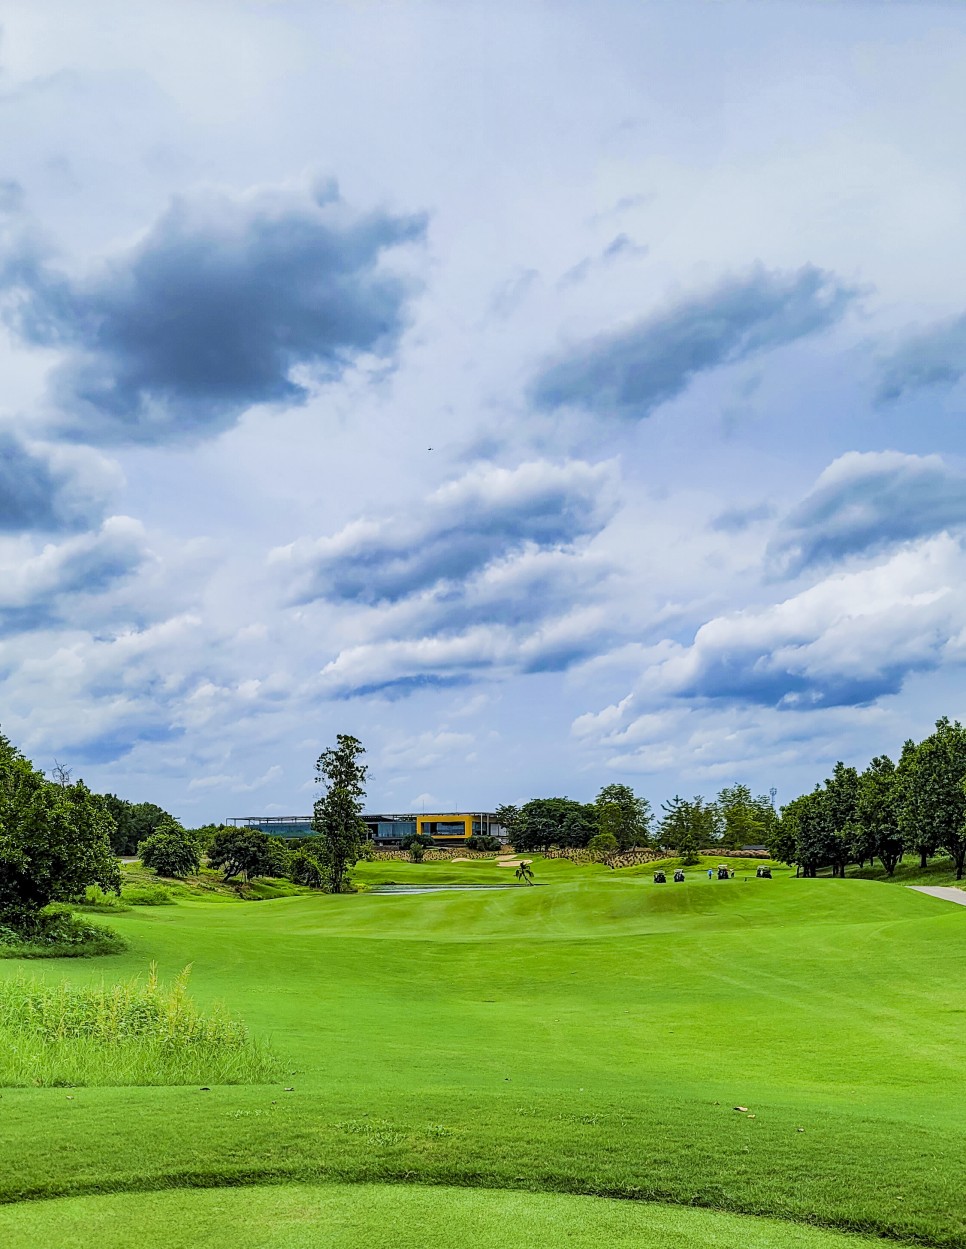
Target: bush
417,845
169,851
58,933
483,842
305,869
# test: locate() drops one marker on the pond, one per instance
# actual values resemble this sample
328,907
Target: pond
442,888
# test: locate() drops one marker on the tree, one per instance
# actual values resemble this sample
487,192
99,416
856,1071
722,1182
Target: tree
878,807
525,873
688,827
242,852
741,816
545,822
169,851
305,869
338,813
604,846
55,840
625,816
506,817
806,815
839,812
782,838
135,822
934,797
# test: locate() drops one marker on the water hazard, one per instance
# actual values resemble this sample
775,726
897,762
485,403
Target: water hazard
442,888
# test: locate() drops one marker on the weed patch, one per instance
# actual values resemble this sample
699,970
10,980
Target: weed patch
135,1032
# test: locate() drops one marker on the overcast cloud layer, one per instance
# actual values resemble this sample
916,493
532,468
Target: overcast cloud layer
547,397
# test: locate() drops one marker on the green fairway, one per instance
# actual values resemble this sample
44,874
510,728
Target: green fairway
592,1036
387,1217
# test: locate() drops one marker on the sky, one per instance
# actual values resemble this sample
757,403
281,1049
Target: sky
547,394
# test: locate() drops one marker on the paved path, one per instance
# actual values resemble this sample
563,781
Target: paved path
949,892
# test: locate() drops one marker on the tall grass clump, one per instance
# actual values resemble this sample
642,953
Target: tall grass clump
139,1031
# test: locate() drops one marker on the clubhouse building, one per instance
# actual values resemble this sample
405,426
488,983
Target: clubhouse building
447,828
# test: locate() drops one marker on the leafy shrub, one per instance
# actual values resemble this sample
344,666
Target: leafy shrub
58,933
305,869
483,841
169,851
417,845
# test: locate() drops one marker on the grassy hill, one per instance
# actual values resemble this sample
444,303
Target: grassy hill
592,1036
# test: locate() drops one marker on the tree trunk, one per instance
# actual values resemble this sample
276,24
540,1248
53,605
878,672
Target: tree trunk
960,861
923,859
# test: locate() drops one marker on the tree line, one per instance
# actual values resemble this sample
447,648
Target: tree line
916,806
619,820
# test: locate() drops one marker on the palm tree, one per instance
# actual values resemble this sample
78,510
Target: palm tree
525,873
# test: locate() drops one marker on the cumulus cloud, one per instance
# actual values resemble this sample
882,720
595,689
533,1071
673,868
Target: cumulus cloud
49,488
935,357
847,640
865,502
632,371
226,301
35,591
468,524
491,574
396,667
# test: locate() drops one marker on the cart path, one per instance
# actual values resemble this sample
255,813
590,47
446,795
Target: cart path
949,892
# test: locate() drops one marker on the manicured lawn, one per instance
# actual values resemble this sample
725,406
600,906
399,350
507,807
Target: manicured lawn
390,1217
592,1036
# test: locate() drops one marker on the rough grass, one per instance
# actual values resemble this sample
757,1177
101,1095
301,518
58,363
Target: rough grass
384,1217
137,1031
589,1037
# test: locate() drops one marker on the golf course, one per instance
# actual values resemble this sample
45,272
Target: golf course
595,1059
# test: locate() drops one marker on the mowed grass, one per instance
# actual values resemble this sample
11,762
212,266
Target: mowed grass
589,1037
391,1217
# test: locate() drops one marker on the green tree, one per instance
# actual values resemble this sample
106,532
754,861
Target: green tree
506,816
604,846
169,851
625,816
242,852
134,822
305,869
338,813
807,813
741,816
688,826
839,812
55,840
934,796
546,822
879,805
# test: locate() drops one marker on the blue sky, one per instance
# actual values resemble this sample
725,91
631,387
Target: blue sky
548,394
